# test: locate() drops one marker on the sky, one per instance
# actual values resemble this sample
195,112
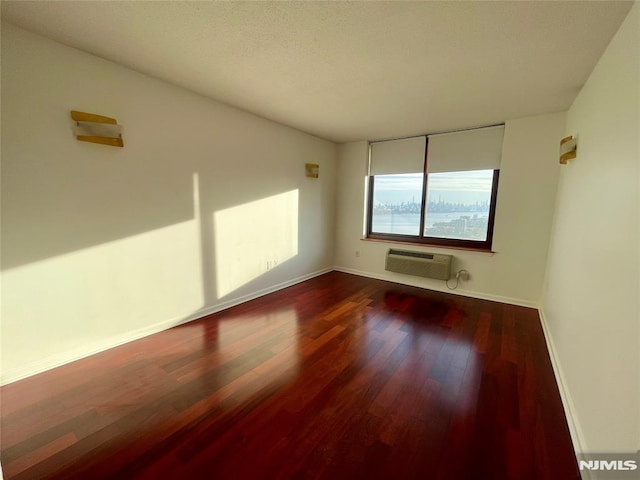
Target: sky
465,187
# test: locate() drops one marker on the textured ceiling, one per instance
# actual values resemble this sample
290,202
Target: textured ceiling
349,70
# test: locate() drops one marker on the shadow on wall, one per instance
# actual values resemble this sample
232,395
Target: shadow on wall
53,207
229,247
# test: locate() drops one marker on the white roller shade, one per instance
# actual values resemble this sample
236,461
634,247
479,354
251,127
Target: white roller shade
398,156
479,149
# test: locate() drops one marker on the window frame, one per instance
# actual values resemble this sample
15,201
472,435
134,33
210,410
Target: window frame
422,239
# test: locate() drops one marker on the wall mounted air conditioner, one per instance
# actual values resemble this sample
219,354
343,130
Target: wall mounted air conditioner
421,264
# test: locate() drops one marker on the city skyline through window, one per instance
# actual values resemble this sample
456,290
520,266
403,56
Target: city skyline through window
457,205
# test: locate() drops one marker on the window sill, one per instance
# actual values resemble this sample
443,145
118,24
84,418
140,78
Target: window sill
429,245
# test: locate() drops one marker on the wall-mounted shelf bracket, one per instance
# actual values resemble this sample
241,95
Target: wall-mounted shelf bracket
568,148
97,129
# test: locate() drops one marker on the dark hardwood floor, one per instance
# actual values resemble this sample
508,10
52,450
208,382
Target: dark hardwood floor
337,377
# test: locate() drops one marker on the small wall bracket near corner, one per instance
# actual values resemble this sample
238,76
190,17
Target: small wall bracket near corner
97,129
312,170
568,149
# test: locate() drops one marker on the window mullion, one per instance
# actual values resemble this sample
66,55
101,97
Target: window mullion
370,205
423,206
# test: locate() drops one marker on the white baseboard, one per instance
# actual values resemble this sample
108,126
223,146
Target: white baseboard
58,360
444,289
575,431
260,293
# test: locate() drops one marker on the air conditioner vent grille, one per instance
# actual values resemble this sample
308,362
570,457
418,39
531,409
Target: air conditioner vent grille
421,264
405,253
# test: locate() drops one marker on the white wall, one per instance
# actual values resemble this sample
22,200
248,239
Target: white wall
102,244
526,194
591,294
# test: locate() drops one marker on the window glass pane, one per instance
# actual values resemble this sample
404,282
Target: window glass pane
458,204
396,203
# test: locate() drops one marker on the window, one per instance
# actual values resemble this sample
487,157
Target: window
438,190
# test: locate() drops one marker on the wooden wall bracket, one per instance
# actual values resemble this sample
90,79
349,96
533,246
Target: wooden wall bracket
97,129
568,149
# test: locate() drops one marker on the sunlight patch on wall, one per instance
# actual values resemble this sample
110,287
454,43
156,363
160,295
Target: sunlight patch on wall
90,295
253,238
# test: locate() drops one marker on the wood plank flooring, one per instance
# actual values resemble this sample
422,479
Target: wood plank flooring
337,377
